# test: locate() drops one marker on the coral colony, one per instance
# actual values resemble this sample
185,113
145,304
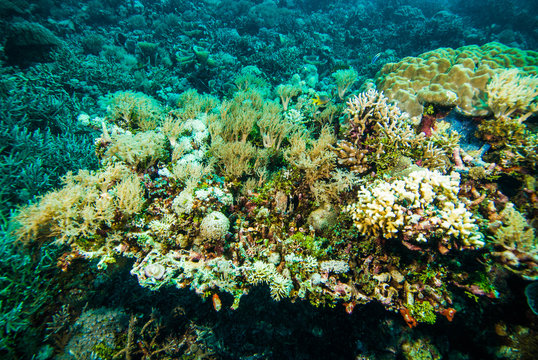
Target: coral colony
393,193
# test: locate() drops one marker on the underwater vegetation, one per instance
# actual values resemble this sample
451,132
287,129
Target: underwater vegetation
183,188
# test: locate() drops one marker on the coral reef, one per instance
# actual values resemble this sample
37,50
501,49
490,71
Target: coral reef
273,197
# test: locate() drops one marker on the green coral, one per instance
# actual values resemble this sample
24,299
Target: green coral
133,110
105,352
423,311
516,233
313,245
26,293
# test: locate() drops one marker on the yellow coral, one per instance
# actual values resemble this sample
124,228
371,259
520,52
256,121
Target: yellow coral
516,233
140,150
344,79
451,77
384,209
133,110
87,202
511,91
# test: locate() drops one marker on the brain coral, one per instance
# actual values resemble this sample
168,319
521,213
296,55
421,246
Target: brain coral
451,77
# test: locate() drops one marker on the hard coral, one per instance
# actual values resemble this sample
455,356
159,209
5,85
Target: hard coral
421,207
379,133
214,226
451,77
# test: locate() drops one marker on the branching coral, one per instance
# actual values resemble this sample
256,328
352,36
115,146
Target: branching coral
503,131
352,157
420,207
189,226
512,98
379,134
509,91
516,243
261,272
87,203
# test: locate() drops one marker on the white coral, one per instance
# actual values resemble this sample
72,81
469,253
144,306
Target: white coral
385,208
334,266
214,226
183,203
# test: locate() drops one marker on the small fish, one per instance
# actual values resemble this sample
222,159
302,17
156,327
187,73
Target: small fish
217,304
376,57
321,100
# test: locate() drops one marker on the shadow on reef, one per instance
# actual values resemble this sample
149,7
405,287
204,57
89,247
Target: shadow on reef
265,329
